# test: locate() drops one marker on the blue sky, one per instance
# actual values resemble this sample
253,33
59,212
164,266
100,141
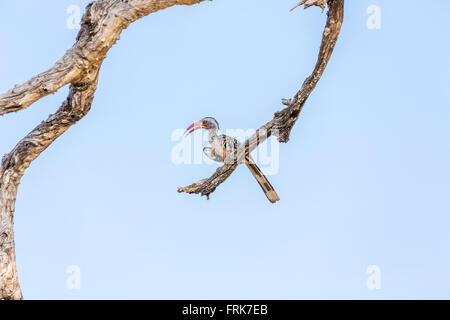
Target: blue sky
363,181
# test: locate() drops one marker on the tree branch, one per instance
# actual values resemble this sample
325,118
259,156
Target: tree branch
21,96
100,29
284,120
101,26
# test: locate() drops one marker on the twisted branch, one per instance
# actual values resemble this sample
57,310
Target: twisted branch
101,27
284,120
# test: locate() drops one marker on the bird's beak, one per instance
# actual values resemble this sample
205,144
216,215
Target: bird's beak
195,126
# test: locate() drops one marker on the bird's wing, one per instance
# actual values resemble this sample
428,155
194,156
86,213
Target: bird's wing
229,148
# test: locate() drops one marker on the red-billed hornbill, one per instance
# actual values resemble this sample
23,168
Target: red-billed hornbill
224,149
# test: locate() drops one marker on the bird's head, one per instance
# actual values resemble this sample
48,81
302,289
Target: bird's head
207,123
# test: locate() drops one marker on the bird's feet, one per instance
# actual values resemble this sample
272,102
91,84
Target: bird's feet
309,3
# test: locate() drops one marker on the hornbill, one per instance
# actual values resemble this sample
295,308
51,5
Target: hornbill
225,149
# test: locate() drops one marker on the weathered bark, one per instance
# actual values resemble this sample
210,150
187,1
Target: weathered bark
9,280
101,26
17,161
284,120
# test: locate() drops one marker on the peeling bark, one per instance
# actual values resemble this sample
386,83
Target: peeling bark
101,26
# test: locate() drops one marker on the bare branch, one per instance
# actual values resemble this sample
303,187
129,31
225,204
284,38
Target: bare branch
100,29
21,96
283,121
13,167
101,26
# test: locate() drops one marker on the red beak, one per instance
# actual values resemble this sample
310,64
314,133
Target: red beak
195,126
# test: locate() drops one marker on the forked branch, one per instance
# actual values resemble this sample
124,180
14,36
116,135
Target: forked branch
101,26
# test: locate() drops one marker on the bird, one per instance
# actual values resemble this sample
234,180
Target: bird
224,149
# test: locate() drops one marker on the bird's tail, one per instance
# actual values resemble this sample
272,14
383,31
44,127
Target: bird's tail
269,191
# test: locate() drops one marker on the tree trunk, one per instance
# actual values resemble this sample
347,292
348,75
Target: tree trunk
101,26
9,280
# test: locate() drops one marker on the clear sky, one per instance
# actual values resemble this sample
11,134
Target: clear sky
364,180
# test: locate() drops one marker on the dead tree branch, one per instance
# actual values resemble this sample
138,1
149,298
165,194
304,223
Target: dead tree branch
284,120
101,27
